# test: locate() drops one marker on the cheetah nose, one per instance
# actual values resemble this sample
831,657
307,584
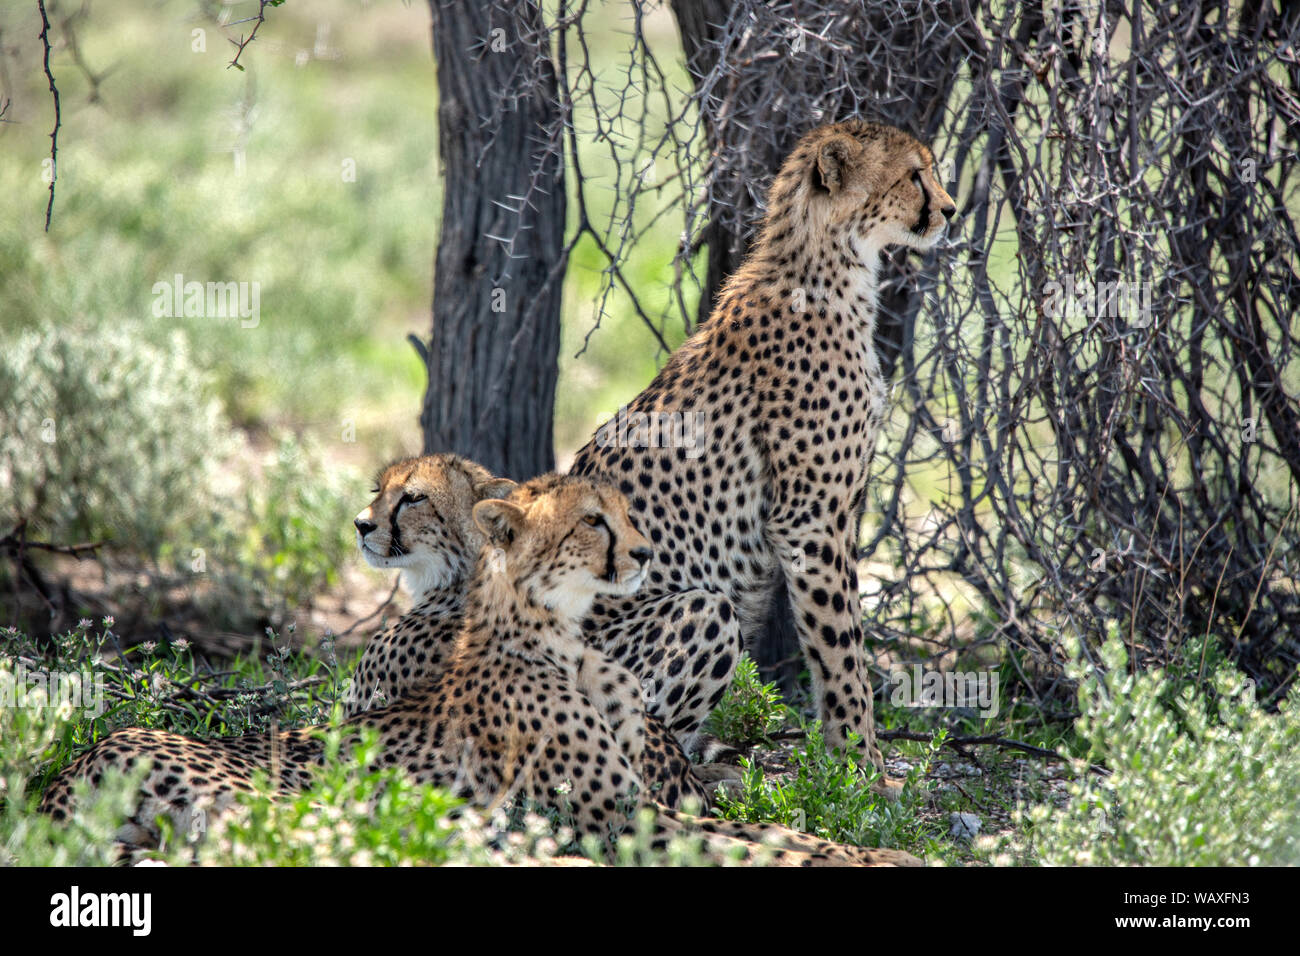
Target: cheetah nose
642,554
364,526
948,212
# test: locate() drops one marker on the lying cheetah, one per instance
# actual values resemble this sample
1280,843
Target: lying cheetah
525,708
772,410
541,706
421,522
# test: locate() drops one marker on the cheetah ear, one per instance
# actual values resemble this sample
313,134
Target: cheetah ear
493,488
499,520
832,163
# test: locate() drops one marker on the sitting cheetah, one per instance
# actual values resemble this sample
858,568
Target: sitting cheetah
421,522
525,708
746,458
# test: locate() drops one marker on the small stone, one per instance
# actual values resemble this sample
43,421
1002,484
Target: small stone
964,826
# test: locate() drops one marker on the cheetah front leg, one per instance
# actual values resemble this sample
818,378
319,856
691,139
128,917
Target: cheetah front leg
681,645
647,743
821,576
613,690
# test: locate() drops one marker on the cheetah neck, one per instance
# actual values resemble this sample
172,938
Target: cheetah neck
426,582
503,617
440,602
833,282
849,289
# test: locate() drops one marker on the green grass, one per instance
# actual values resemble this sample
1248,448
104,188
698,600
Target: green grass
830,795
148,188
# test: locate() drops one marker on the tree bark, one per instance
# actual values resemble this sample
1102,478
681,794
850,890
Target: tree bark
699,22
493,356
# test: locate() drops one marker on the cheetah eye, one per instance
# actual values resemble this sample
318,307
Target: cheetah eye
594,521
410,499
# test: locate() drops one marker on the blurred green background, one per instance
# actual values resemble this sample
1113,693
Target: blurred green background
149,186
314,173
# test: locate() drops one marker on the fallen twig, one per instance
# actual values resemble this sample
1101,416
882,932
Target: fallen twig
958,743
375,613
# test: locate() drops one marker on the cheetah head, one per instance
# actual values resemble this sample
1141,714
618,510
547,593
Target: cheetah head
866,185
564,540
421,520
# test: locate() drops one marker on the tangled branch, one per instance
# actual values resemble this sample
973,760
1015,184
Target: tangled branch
1097,378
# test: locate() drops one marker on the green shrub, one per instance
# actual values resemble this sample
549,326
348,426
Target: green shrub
117,437
1197,777
355,814
292,533
751,711
34,730
830,795
107,435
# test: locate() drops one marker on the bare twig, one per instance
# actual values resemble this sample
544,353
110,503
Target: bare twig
58,113
961,744
375,613
243,41
17,541
67,26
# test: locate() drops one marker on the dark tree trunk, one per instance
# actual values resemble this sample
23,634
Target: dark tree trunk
493,356
700,23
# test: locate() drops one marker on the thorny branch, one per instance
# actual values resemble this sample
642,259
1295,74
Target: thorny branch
58,113
1097,378
244,41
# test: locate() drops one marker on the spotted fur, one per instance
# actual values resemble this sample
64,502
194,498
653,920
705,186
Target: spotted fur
404,658
526,708
785,377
